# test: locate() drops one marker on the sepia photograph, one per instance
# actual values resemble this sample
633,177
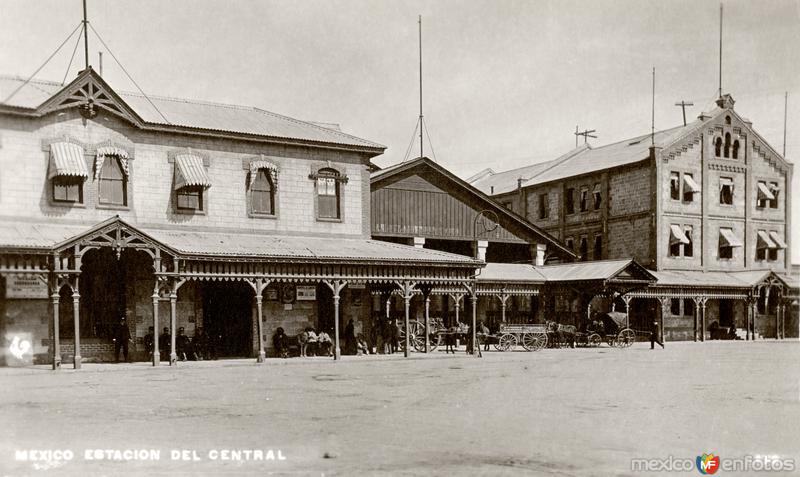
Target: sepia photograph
399,238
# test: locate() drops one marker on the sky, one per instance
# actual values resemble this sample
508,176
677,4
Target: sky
505,82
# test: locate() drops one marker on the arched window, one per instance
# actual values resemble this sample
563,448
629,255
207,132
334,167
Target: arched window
328,194
113,185
718,147
263,193
727,144
728,120
736,149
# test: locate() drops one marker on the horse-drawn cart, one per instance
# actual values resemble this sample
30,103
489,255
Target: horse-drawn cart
531,337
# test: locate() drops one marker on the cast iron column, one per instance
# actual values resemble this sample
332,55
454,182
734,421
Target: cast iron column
56,345
259,313
156,331
173,304
76,305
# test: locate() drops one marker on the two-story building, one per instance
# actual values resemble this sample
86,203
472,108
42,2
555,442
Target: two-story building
705,205
183,214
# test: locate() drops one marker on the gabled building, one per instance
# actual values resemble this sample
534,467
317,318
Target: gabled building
702,199
184,214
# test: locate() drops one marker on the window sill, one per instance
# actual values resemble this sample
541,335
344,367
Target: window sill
259,215
113,207
189,212
328,219
67,205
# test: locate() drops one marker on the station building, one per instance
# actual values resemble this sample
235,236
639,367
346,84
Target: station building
181,213
704,206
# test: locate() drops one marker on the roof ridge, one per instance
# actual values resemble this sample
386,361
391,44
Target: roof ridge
340,133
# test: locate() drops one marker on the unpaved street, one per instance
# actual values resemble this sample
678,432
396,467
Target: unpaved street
563,412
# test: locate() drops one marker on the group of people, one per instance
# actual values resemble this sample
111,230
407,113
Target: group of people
197,348
385,335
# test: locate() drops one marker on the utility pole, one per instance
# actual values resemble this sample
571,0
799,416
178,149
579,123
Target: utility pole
85,36
720,49
653,112
587,133
785,108
683,105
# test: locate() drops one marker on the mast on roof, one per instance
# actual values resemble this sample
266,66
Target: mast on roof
683,105
586,133
85,36
420,88
653,112
720,49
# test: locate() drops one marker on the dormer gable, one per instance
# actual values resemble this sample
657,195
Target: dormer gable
89,93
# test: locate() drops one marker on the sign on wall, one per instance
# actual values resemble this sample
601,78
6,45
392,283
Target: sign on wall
25,287
306,293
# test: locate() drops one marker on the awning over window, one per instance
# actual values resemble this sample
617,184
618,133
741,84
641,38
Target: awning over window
66,159
728,239
104,151
257,165
779,243
723,181
764,240
676,235
597,188
689,185
764,193
190,171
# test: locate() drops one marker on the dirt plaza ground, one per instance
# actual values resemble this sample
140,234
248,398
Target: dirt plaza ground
558,412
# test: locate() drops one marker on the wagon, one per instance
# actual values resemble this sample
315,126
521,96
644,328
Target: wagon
531,337
612,331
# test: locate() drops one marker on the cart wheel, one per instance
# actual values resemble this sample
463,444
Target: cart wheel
506,342
595,340
418,342
626,338
534,341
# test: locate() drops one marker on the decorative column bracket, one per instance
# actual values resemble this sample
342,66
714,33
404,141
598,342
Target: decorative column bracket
258,285
336,287
407,288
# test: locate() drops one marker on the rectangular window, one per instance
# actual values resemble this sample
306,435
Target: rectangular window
688,307
113,186
584,199
508,205
328,197
569,201
675,307
584,251
598,198
675,249
773,187
727,242
189,198
773,254
761,253
726,190
689,187
688,248
598,247
68,189
544,206
674,185
763,195
570,244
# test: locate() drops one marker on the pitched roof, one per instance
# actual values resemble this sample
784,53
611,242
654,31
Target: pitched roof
600,270
202,115
698,278
508,216
583,160
45,237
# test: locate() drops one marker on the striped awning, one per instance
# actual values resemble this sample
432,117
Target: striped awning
117,152
779,242
689,184
728,239
676,235
190,172
257,165
764,240
66,159
764,193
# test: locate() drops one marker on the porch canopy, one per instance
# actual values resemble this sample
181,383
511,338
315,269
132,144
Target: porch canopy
53,252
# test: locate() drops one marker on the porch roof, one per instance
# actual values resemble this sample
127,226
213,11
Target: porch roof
719,279
601,270
46,237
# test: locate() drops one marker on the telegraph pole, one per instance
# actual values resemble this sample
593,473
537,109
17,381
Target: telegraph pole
683,105
785,108
587,133
420,87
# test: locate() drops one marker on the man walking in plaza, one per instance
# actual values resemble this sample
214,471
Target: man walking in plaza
122,335
654,335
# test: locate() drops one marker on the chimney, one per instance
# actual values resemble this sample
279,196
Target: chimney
481,251
419,242
538,260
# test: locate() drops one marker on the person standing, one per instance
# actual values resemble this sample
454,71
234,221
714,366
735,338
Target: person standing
163,344
350,345
654,335
149,342
122,335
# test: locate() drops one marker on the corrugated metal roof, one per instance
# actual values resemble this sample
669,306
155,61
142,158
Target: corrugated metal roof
30,235
687,278
66,159
297,247
583,160
194,114
572,272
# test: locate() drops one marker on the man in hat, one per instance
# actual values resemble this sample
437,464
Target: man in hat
122,335
149,342
182,344
163,343
654,335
